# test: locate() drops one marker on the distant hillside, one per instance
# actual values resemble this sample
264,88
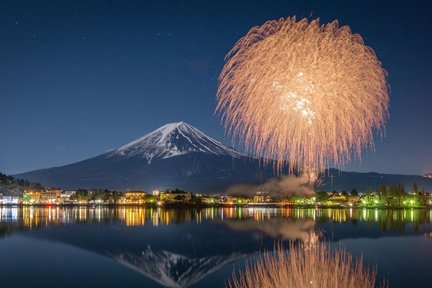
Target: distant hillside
334,179
11,186
179,155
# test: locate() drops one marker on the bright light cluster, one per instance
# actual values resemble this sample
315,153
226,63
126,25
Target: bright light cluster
305,94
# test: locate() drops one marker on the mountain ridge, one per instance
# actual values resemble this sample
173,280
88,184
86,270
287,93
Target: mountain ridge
178,155
160,143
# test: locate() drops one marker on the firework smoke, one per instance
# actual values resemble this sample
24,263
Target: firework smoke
304,94
286,186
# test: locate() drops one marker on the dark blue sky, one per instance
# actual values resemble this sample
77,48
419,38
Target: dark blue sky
78,78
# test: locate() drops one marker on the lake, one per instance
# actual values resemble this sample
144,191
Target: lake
156,247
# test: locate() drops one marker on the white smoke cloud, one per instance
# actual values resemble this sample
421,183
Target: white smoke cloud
276,187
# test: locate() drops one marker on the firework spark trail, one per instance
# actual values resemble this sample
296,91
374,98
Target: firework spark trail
304,94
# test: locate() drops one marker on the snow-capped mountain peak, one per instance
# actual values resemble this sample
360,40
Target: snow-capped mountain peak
172,140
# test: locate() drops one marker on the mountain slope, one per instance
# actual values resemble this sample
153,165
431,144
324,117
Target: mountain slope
172,140
12,186
175,155
179,155
334,179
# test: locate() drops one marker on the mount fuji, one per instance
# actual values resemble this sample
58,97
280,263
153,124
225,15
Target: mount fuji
173,140
178,155
175,155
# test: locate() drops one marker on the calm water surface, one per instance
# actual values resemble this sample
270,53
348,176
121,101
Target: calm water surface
144,247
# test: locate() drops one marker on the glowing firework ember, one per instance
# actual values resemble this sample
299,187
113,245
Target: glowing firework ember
305,94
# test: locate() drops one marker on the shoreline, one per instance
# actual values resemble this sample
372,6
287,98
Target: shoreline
200,206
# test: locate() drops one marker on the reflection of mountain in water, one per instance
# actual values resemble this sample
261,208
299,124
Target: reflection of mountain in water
171,256
179,248
174,270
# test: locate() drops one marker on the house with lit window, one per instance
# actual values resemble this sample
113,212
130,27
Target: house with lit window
175,196
11,200
51,196
31,197
135,197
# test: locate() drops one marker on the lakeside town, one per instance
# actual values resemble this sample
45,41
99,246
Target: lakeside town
385,196
21,192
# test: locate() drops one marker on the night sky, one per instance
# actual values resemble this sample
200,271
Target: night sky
78,78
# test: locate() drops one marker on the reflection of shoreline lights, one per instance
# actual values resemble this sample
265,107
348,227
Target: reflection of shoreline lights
305,94
135,217
8,214
33,217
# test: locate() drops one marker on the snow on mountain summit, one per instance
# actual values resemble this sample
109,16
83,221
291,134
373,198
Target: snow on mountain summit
171,140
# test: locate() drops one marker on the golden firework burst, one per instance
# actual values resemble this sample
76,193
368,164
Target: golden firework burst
303,94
